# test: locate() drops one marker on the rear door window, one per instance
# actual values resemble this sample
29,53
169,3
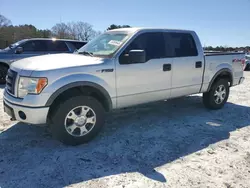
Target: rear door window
182,44
57,46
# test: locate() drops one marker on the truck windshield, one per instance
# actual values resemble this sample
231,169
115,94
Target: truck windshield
104,45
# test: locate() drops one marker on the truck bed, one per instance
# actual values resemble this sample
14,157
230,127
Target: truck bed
215,61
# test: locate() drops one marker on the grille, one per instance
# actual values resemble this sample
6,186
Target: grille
10,81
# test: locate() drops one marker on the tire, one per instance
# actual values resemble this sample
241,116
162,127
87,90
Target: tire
3,73
210,99
68,130
247,68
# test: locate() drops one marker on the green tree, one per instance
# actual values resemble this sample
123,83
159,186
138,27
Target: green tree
11,34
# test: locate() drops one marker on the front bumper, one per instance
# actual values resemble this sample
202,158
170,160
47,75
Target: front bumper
31,115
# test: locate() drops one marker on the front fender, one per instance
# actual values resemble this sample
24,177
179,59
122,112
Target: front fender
6,62
64,83
7,58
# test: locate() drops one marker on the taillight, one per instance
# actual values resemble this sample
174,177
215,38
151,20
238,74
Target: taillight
242,61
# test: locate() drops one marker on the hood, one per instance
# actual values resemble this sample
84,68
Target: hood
55,61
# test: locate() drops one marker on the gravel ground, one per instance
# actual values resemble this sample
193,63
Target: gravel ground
177,143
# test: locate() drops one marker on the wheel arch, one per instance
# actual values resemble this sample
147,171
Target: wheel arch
4,64
85,88
223,73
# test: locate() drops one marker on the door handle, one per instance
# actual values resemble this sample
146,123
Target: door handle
167,67
198,64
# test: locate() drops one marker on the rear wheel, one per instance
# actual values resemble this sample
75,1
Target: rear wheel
247,67
217,96
3,73
77,120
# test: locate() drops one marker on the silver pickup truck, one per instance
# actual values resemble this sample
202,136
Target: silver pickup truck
120,68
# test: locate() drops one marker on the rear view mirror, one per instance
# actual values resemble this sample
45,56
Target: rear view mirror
137,56
19,50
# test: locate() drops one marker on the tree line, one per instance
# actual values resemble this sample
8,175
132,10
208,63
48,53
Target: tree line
227,49
73,30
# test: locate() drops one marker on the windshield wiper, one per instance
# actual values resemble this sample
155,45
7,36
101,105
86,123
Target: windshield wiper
86,53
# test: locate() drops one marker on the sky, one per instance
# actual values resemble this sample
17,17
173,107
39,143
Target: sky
217,22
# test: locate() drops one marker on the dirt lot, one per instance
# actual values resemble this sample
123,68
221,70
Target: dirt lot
176,143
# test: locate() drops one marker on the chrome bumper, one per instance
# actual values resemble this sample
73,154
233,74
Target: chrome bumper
31,115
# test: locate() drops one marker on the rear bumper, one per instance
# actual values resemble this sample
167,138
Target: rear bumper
37,115
238,81
241,80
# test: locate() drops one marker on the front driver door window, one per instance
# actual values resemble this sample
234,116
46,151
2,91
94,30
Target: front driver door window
32,48
143,82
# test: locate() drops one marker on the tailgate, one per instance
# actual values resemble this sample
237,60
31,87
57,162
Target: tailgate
238,63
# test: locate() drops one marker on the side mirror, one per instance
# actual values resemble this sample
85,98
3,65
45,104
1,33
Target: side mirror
137,56
19,50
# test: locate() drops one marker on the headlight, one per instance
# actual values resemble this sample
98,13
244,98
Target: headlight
28,85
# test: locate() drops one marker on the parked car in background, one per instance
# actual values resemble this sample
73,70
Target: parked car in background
247,62
118,69
33,47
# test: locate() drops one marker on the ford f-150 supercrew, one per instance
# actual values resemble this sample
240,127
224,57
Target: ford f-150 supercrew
120,68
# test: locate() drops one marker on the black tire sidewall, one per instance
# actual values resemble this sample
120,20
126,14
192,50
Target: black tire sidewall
57,126
211,100
3,69
247,67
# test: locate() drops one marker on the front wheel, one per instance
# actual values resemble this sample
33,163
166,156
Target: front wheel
77,120
217,96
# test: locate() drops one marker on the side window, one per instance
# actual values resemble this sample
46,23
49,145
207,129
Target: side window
34,46
57,46
151,43
40,46
28,46
183,44
168,46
